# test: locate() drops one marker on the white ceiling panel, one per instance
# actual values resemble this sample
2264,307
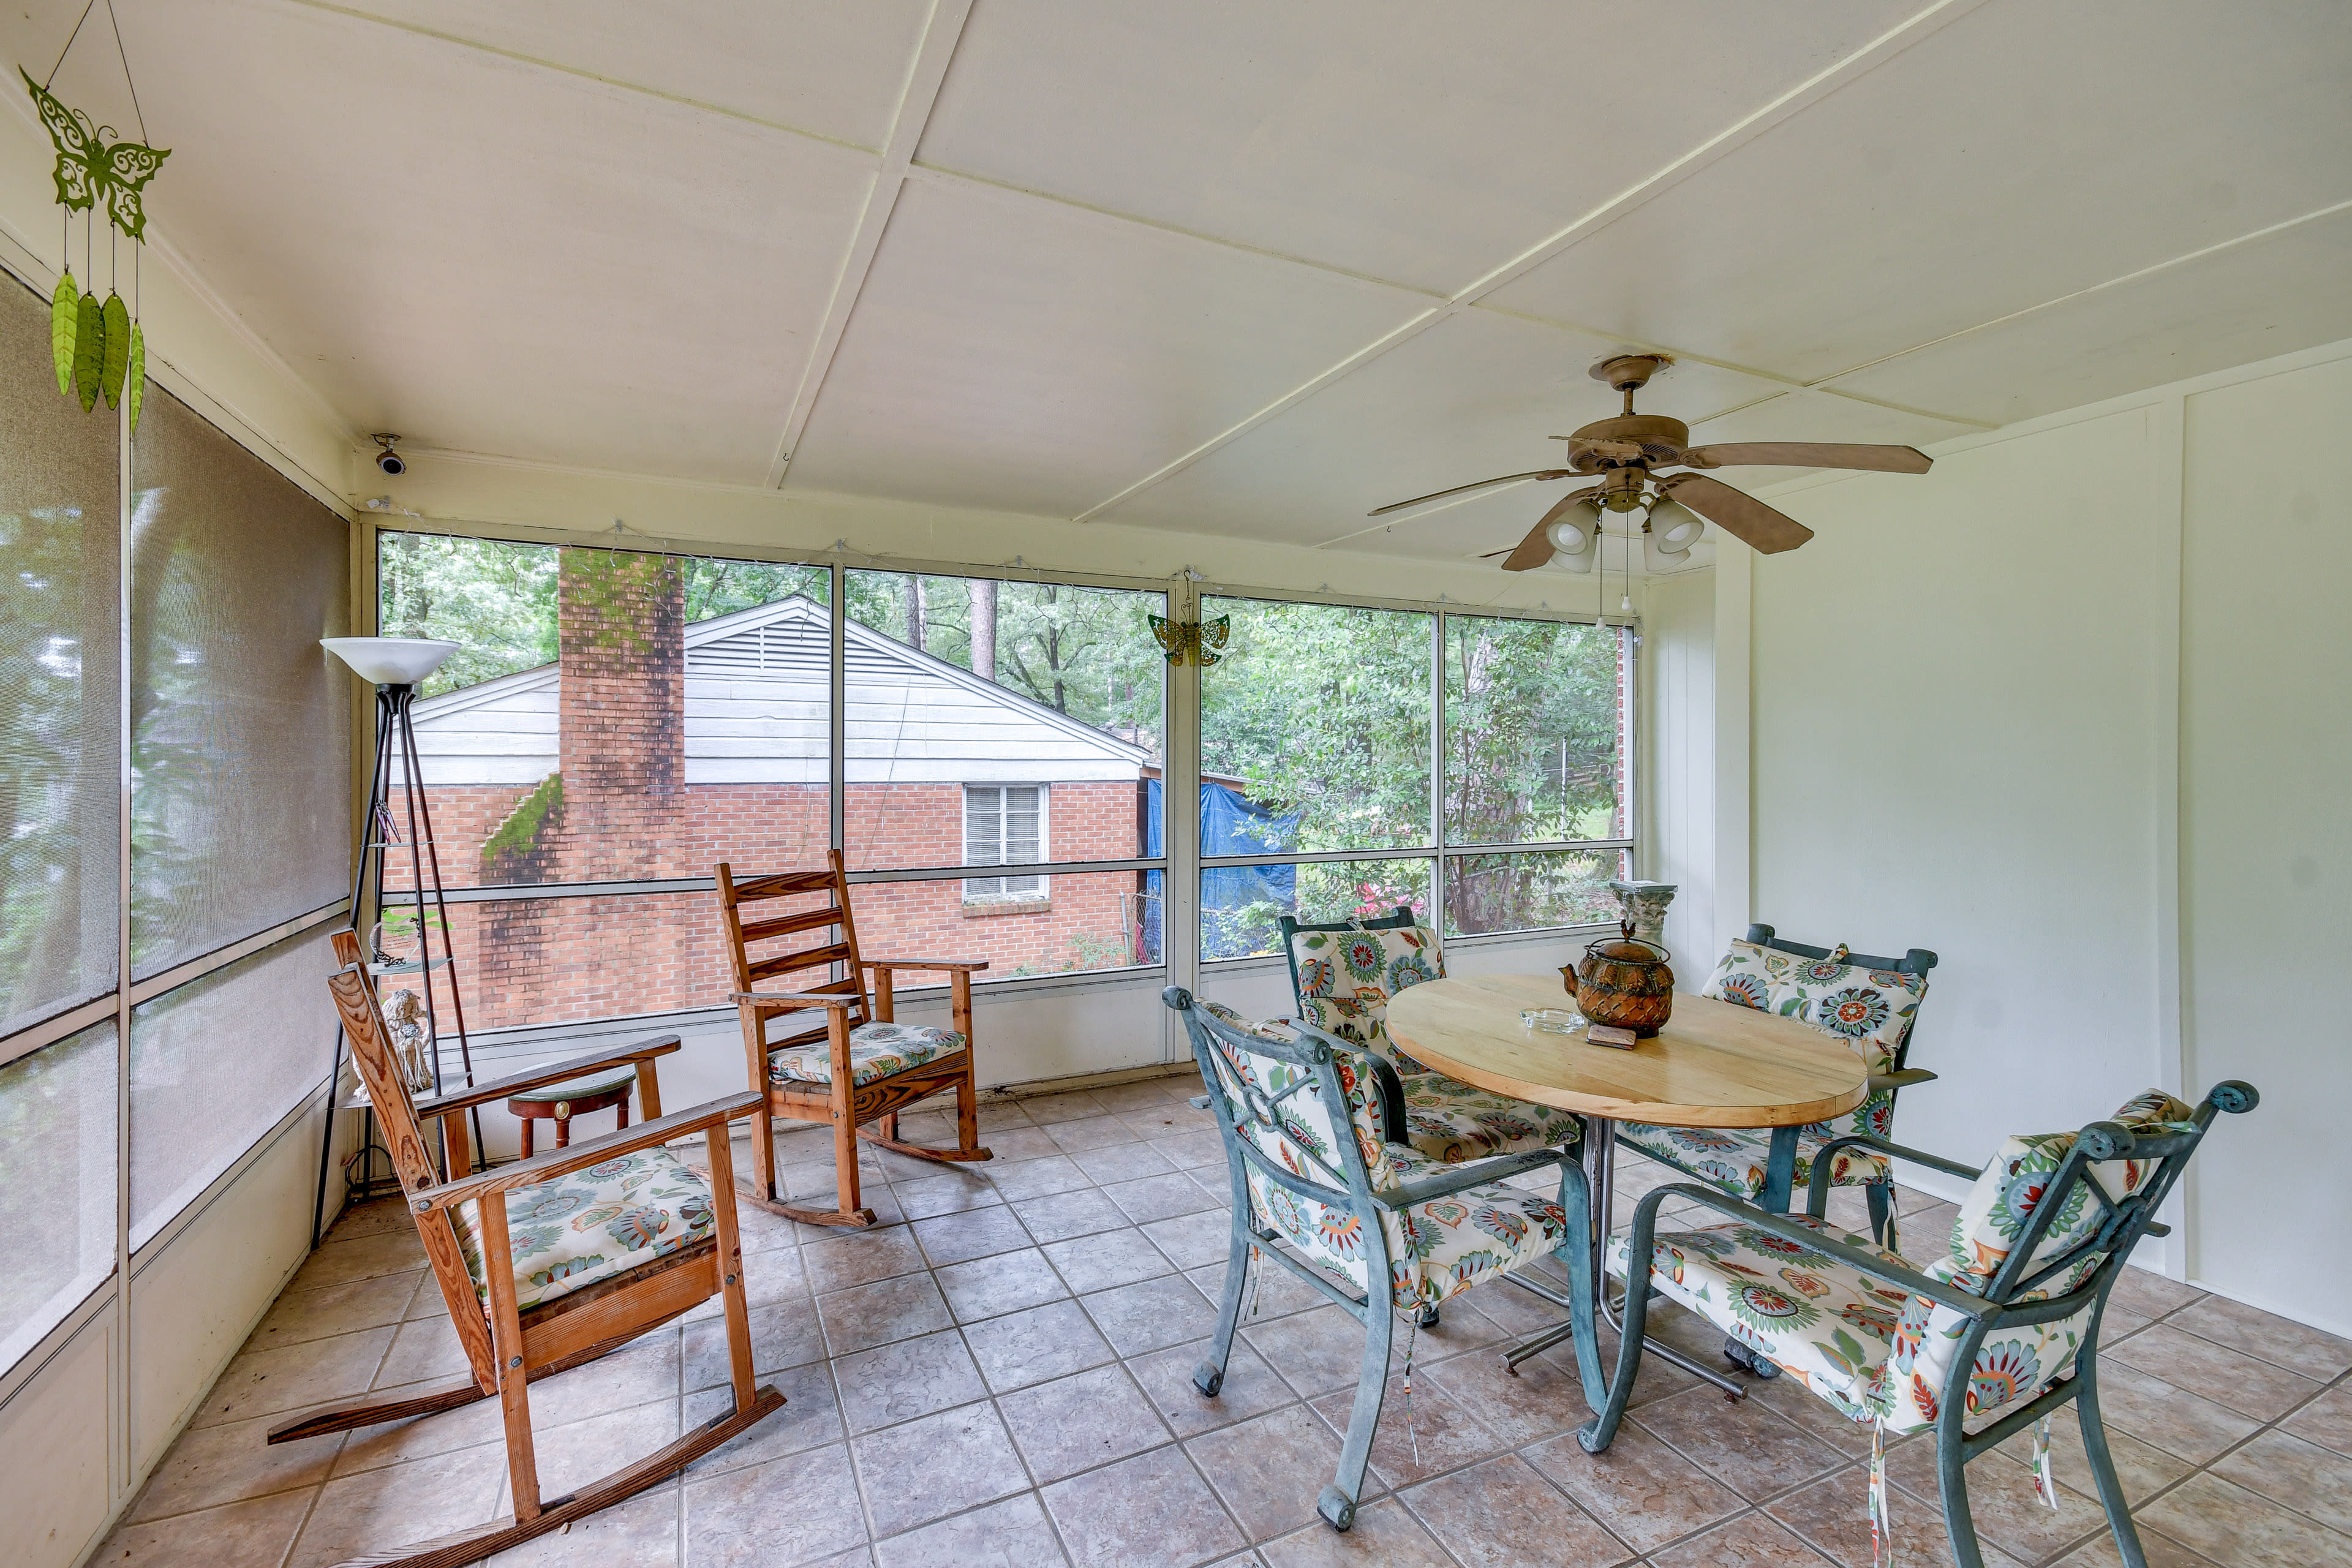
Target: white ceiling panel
2030,149
1476,395
833,66
1423,143
2267,297
1020,354
485,255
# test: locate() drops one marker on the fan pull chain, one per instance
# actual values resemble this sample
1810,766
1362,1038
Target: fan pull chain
2046,1484
1882,1535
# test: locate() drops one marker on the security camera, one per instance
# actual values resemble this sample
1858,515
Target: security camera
389,460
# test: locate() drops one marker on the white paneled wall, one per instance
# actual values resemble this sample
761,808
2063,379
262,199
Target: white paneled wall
2069,711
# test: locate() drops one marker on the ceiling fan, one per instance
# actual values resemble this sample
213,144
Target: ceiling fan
1622,451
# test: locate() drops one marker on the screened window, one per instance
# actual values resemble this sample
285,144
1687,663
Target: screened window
1003,824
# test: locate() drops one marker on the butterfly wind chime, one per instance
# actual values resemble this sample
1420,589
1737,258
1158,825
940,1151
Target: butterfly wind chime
1196,643
99,348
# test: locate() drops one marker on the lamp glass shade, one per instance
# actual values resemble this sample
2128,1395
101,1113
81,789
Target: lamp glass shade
1675,526
391,661
1573,538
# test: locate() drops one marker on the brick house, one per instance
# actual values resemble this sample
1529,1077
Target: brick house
654,749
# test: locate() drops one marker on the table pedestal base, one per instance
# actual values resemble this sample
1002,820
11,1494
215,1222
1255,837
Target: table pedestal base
1601,1179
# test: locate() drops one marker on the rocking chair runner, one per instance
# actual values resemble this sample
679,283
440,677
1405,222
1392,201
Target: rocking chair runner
861,1066
575,1253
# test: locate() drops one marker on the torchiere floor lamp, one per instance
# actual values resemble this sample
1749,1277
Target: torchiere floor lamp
396,666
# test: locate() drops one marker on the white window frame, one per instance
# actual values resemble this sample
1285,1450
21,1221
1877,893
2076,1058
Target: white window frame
993,889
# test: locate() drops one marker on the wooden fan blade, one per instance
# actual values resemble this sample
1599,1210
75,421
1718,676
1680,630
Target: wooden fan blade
1742,516
1810,455
1535,549
1482,484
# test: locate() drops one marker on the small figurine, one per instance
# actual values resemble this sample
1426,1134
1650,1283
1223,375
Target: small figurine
412,1040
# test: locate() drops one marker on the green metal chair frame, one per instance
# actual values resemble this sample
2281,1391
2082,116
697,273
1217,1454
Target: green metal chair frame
1348,1187
1384,1071
2000,1306
1780,1176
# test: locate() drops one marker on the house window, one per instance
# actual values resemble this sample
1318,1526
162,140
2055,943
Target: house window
1003,824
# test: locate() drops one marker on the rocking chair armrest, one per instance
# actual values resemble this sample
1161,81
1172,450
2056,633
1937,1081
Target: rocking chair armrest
792,1001
563,1161
1473,1173
645,1050
1903,1079
940,966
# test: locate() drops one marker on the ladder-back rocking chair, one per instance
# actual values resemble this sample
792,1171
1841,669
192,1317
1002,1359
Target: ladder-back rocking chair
548,1263
860,1065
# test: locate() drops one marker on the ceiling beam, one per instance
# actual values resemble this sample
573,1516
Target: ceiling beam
1788,104
941,32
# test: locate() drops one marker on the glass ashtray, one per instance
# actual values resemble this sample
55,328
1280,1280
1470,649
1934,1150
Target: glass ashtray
1553,1020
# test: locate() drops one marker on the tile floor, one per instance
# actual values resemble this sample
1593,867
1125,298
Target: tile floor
1000,1374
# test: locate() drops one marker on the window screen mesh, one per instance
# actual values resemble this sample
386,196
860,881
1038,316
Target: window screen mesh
57,1182
215,1064
60,791
240,751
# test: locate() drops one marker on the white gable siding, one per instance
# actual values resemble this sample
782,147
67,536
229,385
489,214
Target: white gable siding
756,710
501,732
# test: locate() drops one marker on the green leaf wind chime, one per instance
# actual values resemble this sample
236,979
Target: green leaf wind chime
100,348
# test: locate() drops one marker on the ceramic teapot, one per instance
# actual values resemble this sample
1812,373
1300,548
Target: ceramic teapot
1625,981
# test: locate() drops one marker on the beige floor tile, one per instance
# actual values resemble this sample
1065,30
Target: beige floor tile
1542,1400
2166,1417
904,1379
2150,1294
868,1315
571,1457
2234,1526
860,1258
641,1371
1427,1435
1012,1532
1270,1470
361,1257
810,1418
2279,1340
1143,1317
1079,1423
2304,1475
1641,1491
643,1532
2009,1513
732,1519
2326,1420
1006,1282
1047,1110
420,1437
1150,1511
2162,1551
926,1470
1752,1540
1250,1387
234,1536
289,1377
424,1350
400,1505
1832,1516
1502,1514
2228,1377
1383,1536
208,1466
1745,1446
369,1304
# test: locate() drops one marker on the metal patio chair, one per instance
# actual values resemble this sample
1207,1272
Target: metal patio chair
1376,1226
2002,1329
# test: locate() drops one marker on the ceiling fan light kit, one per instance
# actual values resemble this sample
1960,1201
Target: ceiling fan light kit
1622,454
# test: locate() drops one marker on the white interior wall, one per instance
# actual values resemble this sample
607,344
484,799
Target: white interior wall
2067,712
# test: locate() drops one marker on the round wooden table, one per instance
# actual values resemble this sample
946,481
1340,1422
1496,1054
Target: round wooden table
1714,1064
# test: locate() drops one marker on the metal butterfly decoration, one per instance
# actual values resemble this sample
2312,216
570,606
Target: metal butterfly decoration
99,350
1197,641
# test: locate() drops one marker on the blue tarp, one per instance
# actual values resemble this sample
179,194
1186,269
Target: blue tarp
1231,824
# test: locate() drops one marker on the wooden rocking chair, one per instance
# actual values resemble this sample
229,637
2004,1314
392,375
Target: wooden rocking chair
668,1243
861,1066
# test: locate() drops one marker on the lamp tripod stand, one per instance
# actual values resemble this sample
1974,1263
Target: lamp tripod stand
395,664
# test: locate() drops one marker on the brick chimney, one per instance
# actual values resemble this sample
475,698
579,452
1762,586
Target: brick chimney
621,627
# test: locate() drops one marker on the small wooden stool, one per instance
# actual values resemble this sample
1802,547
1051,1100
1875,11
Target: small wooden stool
561,1102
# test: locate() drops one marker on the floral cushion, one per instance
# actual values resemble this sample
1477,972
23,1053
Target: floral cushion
875,1050
1435,1249
1733,1158
1306,1140
1449,1122
1994,1213
1873,1349
1864,1343
595,1223
1347,978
